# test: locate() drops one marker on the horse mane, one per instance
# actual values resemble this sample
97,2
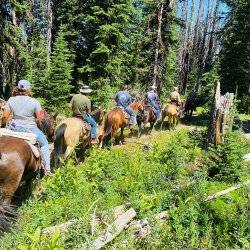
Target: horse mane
45,124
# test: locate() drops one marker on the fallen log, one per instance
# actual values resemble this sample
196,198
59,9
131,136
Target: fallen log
61,227
114,229
226,191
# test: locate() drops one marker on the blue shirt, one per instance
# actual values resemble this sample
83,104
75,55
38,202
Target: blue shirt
152,97
123,99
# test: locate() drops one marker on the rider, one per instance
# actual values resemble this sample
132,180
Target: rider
175,97
153,100
123,100
26,110
81,107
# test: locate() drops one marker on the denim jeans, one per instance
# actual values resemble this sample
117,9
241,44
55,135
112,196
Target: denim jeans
41,139
131,115
157,109
90,120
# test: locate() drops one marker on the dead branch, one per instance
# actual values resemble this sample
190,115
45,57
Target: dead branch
226,191
114,229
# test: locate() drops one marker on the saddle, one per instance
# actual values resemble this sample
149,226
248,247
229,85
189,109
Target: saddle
150,106
124,112
30,138
85,125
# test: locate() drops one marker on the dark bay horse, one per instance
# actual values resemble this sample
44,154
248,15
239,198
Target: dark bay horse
116,119
48,125
145,116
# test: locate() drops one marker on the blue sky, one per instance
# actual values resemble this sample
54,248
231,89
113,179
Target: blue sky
223,7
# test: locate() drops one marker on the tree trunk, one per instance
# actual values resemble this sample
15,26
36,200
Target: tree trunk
49,28
158,41
222,114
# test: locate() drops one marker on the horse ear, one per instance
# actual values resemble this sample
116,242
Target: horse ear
54,115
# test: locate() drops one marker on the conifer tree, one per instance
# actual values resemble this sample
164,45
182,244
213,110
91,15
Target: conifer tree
235,54
59,76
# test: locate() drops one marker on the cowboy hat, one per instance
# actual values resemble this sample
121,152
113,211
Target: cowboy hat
153,87
85,89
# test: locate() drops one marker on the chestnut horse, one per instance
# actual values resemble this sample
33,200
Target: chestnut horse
116,119
17,164
172,112
71,132
145,116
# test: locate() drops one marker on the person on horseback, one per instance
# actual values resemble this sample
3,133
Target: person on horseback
26,110
81,107
175,97
123,100
152,99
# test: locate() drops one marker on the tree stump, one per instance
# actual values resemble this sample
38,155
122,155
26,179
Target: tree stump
222,115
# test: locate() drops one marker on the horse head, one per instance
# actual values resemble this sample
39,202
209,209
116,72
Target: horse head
137,106
99,115
48,124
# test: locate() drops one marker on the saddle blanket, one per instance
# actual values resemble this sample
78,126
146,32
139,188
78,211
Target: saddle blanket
30,138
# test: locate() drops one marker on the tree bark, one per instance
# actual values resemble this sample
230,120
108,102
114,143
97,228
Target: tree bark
159,39
49,28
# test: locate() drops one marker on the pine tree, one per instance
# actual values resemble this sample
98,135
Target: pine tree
38,70
235,55
59,76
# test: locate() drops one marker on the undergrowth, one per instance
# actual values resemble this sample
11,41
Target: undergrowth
172,176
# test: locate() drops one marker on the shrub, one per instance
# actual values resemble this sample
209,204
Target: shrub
224,162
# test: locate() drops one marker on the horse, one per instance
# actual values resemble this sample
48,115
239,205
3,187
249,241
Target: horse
72,132
145,116
17,164
195,100
116,119
2,103
48,124
172,112
98,115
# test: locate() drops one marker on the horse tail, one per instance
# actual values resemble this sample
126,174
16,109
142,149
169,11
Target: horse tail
107,127
8,215
59,144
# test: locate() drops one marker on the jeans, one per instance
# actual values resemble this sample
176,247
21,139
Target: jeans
41,139
90,120
131,115
157,109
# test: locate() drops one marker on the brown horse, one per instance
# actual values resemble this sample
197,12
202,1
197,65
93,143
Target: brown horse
17,164
2,103
98,115
71,132
145,116
172,112
116,119
48,125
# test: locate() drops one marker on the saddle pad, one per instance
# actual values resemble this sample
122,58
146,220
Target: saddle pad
34,149
21,135
122,109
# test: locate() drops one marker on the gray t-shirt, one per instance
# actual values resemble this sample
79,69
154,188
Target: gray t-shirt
23,109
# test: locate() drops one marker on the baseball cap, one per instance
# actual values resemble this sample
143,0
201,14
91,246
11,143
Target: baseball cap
23,85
